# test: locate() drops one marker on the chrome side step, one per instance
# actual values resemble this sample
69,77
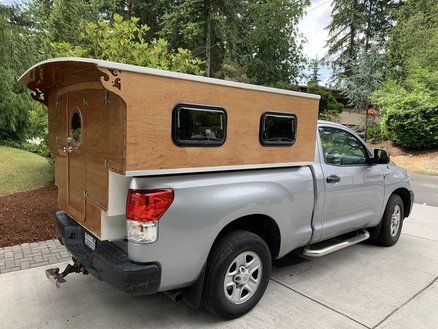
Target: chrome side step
309,252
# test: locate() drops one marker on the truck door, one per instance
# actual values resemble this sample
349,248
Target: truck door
354,189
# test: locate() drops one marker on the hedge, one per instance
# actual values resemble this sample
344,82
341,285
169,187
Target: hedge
417,128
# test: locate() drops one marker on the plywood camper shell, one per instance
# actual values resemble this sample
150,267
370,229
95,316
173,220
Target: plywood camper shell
127,126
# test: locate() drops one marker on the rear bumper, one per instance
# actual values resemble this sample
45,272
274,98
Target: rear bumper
108,262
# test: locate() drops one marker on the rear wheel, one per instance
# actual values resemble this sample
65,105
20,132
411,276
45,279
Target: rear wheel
237,274
392,222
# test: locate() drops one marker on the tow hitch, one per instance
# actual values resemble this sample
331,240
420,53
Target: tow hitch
58,278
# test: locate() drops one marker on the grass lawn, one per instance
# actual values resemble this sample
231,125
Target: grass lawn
22,171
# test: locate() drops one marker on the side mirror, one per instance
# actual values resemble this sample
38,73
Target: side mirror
381,156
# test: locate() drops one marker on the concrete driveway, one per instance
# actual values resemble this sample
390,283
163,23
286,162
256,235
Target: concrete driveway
425,188
361,287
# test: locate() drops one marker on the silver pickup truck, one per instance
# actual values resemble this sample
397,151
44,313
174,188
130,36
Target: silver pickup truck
219,232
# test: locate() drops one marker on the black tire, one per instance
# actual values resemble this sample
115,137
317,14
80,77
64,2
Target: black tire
221,260
388,236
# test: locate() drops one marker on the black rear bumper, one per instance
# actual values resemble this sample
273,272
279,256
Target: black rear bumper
108,262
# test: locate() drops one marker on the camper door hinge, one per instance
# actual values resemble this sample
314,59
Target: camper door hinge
85,101
57,104
107,163
107,97
85,194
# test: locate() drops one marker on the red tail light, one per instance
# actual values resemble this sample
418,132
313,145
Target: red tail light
148,205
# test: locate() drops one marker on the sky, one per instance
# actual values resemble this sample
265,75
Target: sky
311,26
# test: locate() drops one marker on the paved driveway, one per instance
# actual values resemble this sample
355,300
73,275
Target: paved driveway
360,287
425,188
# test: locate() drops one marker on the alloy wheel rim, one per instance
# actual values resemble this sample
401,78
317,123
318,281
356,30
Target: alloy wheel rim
395,220
243,277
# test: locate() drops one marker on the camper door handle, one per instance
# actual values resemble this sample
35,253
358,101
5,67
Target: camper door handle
67,149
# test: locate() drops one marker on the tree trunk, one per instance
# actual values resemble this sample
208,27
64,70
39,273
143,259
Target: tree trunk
368,30
366,120
352,49
130,5
208,44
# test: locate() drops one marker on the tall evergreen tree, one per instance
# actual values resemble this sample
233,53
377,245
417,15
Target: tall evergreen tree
253,40
59,20
344,30
16,54
314,72
271,50
413,41
357,24
202,26
150,12
366,77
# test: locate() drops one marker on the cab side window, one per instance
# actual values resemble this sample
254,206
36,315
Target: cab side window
341,148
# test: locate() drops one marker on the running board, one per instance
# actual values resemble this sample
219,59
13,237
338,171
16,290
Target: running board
335,247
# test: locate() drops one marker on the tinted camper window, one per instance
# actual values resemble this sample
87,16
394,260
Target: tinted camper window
278,129
198,125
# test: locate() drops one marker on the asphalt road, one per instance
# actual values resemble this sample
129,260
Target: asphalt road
425,188
364,286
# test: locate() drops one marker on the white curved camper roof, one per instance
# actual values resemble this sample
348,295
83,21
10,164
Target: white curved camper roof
24,79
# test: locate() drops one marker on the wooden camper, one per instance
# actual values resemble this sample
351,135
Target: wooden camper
110,117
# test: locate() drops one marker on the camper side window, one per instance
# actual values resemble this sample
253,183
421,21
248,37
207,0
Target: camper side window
197,125
278,129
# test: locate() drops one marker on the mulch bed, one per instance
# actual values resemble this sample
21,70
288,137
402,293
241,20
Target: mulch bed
28,216
395,150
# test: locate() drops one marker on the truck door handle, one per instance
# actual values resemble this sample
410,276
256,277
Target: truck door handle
333,179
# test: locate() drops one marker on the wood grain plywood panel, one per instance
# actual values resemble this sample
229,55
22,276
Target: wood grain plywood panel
58,130
151,99
116,133
61,180
58,135
96,147
77,159
93,218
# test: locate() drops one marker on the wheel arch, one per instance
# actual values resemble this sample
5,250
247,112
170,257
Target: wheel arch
405,195
262,225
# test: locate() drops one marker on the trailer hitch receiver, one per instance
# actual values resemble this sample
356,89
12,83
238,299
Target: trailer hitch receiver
57,277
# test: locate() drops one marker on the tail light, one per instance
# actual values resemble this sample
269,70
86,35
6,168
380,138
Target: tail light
143,210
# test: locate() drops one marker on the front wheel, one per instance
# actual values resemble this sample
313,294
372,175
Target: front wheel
392,222
237,274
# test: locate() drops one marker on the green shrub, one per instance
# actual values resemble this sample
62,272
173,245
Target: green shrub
37,121
417,128
329,107
375,133
409,108
41,148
